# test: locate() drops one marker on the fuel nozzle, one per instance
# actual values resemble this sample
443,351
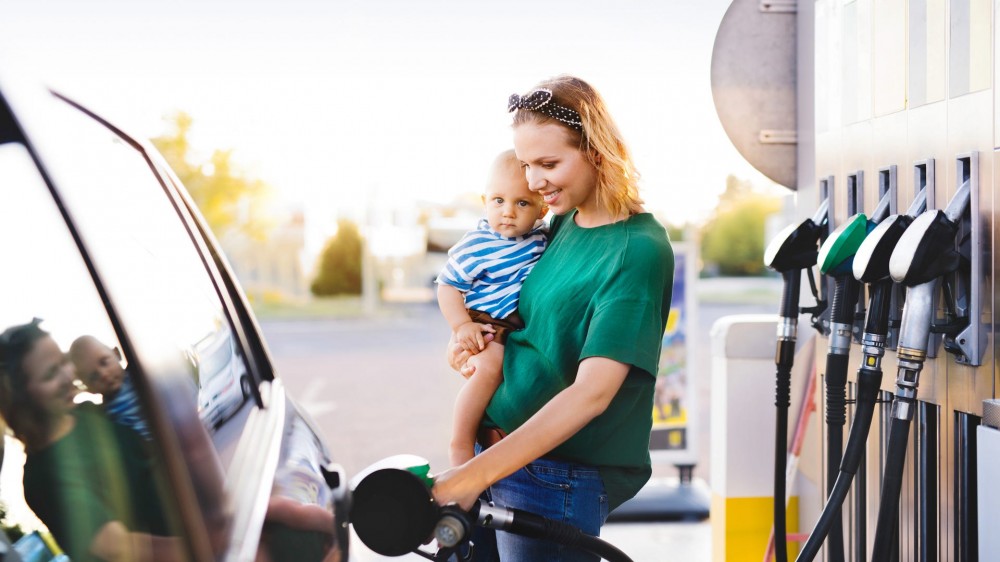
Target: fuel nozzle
394,513
392,509
795,247
926,251
871,262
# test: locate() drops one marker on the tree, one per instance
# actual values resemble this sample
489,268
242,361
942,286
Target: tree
339,270
227,199
732,241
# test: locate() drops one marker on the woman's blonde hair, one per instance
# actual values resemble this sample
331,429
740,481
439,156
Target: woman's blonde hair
600,141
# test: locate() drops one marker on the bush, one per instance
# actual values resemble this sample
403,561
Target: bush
339,271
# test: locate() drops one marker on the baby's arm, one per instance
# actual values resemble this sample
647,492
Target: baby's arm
468,334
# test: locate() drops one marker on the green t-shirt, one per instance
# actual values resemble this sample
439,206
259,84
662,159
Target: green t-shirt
595,292
99,472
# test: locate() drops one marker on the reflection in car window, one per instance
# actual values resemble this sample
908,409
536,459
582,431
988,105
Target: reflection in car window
152,341
146,258
71,470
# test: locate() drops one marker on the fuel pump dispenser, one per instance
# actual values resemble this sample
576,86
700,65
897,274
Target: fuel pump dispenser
794,249
836,258
867,245
394,513
925,253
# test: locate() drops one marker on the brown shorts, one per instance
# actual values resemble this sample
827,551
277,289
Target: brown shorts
502,327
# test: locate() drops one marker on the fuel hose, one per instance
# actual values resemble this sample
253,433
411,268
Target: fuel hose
783,360
911,352
869,382
924,254
789,253
528,524
845,298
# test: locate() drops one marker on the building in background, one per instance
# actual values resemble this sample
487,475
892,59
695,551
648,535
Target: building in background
270,268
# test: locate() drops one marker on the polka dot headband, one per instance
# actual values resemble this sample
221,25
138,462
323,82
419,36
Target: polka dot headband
540,101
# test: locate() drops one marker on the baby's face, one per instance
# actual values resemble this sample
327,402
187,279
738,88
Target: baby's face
98,368
511,209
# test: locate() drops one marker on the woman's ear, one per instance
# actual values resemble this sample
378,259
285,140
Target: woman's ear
598,158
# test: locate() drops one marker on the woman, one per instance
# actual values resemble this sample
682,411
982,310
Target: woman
566,434
89,480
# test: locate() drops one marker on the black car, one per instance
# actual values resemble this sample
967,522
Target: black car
100,239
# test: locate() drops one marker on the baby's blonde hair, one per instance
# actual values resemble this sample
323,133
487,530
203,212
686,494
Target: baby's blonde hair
507,164
600,141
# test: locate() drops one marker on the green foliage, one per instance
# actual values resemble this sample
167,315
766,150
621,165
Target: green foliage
227,199
732,241
339,270
676,232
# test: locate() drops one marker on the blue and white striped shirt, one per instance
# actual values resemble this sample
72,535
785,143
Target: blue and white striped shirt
489,267
124,408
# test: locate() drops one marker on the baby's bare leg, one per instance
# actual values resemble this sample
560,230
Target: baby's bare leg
472,401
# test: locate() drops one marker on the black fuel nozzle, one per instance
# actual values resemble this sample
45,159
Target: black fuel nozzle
871,262
795,247
927,251
394,513
392,509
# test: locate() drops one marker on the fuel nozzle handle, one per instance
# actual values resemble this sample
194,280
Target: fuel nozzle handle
879,301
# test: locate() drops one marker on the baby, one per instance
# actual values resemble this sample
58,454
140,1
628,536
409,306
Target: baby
99,368
479,287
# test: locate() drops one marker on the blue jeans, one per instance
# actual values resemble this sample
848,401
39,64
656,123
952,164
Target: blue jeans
562,491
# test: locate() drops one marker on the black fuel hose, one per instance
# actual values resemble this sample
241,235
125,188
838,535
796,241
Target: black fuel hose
911,351
869,383
845,298
535,526
783,359
887,527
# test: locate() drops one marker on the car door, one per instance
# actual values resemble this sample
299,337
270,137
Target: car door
102,243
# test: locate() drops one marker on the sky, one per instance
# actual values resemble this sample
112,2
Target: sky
344,106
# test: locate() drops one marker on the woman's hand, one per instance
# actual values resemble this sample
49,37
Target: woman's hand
456,355
455,486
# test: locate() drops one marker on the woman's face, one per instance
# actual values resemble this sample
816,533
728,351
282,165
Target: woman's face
50,377
555,168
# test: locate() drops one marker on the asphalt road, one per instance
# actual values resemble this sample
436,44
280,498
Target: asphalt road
379,386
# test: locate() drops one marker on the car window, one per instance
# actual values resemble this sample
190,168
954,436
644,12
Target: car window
87,204
79,462
147,259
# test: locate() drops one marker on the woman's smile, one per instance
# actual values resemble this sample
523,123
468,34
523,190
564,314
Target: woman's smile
551,196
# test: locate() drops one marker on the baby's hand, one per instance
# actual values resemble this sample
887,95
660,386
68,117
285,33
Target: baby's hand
470,336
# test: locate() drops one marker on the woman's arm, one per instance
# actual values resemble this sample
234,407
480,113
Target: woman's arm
597,381
114,542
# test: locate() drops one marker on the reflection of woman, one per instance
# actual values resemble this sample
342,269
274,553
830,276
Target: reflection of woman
567,432
89,480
